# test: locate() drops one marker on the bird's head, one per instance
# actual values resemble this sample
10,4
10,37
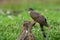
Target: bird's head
30,10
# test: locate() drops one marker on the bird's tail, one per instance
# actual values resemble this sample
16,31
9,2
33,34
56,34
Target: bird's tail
43,32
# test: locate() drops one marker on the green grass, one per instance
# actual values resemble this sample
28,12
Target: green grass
10,29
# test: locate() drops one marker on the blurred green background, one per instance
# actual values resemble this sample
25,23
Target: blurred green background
10,28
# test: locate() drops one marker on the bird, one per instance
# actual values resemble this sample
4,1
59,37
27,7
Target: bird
37,17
